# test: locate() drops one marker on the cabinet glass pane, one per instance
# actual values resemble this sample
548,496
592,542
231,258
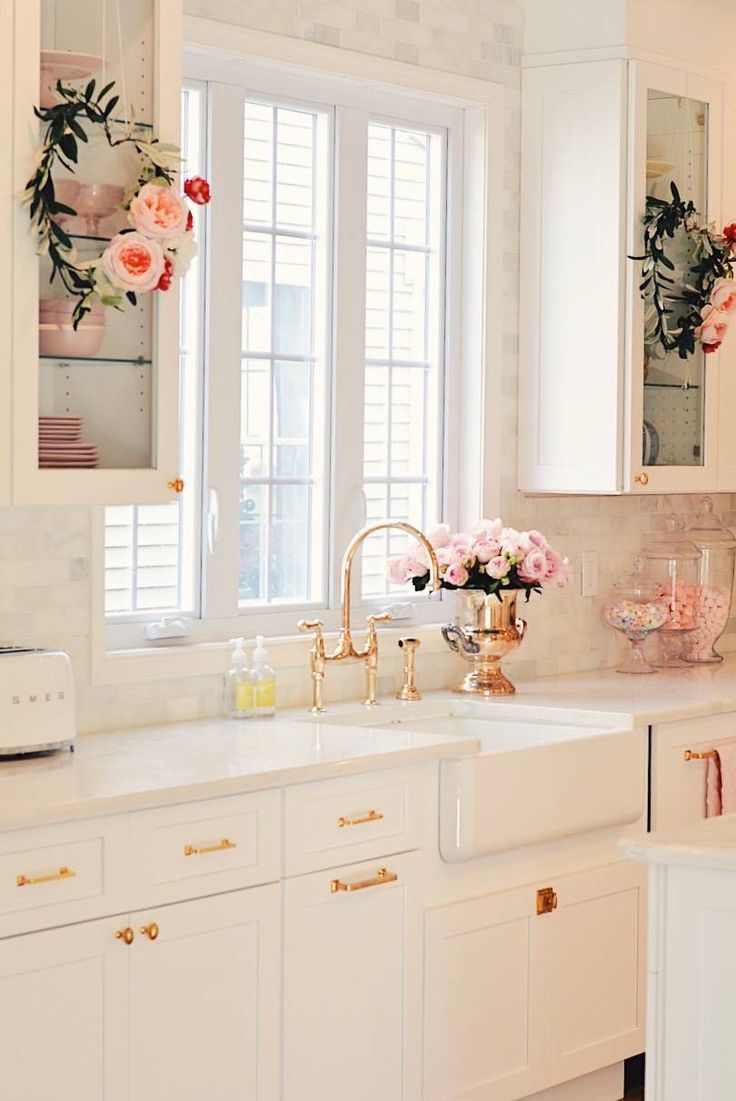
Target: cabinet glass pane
674,392
97,385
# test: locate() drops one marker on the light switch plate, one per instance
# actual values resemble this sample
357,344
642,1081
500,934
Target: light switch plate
589,573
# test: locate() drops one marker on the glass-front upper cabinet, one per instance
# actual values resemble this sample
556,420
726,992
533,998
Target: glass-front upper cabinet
95,401
674,384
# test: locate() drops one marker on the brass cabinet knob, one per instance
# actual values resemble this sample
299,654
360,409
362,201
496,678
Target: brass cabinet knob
642,479
151,931
177,484
126,935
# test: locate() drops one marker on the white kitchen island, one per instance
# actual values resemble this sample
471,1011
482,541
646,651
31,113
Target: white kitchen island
691,1051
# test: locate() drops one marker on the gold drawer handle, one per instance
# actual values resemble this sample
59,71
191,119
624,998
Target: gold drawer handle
226,843
383,876
151,931
63,873
371,816
693,755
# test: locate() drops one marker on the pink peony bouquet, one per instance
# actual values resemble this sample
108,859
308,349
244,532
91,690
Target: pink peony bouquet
490,557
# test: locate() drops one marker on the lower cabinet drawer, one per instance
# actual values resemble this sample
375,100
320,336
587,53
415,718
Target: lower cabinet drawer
53,875
194,849
353,818
678,776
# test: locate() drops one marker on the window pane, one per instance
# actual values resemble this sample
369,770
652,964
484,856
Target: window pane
282,439
404,337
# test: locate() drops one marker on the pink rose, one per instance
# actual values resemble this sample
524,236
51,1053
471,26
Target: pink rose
531,539
132,262
440,536
456,574
498,567
723,295
414,566
714,326
396,571
554,566
485,550
564,574
534,567
462,552
159,211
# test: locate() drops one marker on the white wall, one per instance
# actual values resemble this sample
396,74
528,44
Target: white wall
45,554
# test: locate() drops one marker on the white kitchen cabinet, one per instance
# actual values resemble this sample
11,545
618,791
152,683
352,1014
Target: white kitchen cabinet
352,972
599,414
678,767
127,391
204,999
63,1004
517,1001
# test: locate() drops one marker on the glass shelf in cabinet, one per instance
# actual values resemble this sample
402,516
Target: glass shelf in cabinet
137,361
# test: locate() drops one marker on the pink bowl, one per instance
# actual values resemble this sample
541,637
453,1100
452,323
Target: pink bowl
66,192
56,337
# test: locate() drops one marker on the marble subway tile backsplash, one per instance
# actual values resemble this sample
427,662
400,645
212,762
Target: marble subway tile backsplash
45,554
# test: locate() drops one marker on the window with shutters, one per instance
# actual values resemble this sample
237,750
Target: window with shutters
316,351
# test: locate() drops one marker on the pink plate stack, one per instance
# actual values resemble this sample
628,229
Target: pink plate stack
60,443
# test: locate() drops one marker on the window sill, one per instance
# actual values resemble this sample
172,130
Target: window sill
212,658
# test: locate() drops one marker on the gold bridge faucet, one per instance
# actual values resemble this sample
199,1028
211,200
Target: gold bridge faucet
345,649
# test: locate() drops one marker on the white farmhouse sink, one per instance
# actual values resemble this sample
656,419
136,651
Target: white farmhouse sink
541,774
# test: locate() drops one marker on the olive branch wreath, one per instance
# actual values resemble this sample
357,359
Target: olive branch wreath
63,135
711,259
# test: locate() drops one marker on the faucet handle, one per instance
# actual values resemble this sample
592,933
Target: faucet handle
383,617
315,625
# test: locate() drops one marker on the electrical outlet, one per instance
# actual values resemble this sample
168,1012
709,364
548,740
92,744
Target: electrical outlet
589,573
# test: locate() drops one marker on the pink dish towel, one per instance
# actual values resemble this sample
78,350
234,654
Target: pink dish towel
720,782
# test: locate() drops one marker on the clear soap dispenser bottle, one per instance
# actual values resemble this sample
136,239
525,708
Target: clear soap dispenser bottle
239,685
264,682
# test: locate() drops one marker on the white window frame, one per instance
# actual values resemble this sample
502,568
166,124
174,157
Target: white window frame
472,111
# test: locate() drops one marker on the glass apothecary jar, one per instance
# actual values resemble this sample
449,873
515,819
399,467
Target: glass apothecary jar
717,545
673,561
637,609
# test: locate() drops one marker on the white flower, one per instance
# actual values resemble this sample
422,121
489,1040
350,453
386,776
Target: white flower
181,251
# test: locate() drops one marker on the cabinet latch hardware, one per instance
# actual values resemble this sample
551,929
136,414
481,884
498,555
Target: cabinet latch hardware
371,816
126,935
151,931
546,900
642,479
177,484
693,755
383,876
63,873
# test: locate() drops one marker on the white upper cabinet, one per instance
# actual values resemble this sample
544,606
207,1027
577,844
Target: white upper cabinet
115,380
603,407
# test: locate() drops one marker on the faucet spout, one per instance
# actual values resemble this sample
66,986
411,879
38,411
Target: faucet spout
346,641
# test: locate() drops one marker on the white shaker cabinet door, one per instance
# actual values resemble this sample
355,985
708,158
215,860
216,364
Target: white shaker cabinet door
63,1014
484,1004
352,981
204,999
596,978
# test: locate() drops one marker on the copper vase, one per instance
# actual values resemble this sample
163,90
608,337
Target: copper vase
485,630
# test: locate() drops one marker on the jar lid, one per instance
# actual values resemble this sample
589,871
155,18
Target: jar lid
672,544
638,585
706,529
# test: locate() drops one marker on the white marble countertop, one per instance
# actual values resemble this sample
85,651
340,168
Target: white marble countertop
664,696
160,765
710,843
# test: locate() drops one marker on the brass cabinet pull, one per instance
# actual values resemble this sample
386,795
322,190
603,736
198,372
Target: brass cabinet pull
693,755
383,876
27,881
151,931
642,479
177,484
546,900
371,816
193,850
126,935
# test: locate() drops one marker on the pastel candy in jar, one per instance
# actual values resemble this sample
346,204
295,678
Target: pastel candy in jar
717,545
637,610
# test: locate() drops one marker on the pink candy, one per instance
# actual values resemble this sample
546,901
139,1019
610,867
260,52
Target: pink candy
713,609
682,603
632,616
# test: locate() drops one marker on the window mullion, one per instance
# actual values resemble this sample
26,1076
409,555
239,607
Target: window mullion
351,186
221,567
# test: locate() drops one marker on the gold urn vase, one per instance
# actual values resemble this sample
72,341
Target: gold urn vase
485,630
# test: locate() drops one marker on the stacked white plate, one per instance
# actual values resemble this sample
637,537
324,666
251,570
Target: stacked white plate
60,443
